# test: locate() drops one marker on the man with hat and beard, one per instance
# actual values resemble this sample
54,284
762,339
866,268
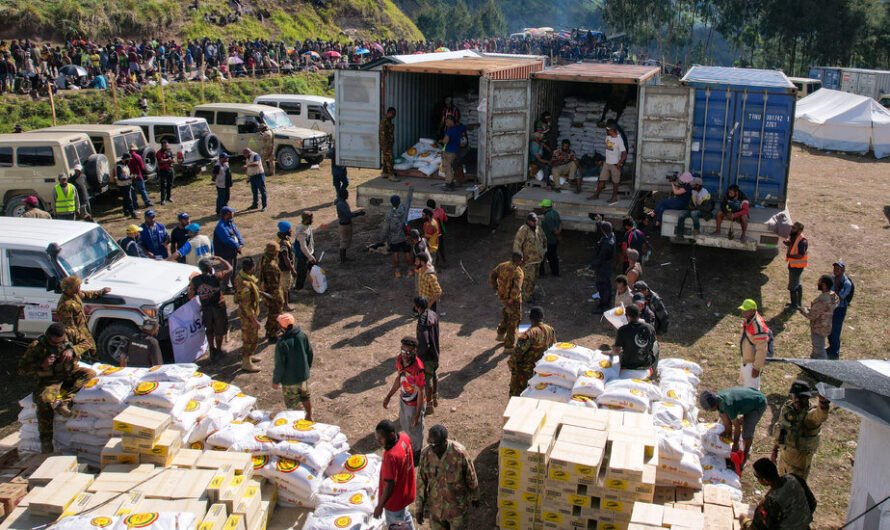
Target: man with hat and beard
69,313
411,381
531,242
798,436
208,287
286,261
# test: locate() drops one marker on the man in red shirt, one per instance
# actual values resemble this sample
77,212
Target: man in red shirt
397,484
410,379
165,171
137,173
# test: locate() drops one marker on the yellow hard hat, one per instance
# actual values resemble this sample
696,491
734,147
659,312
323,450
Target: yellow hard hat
134,229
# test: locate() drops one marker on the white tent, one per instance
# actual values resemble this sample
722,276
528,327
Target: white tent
838,121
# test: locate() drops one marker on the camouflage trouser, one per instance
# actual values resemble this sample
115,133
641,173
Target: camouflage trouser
268,163
522,367
286,279
295,395
273,307
794,461
388,161
454,523
49,392
531,277
511,314
250,332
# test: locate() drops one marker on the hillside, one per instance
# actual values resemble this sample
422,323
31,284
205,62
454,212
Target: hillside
133,19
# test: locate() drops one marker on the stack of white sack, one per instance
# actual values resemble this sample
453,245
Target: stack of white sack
423,156
632,395
468,105
348,494
676,421
29,436
568,373
717,448
579,123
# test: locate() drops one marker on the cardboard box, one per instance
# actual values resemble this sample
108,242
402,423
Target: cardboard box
176,483
122,481
643,435
647,514
242,463
166,445
742,508
215,519
717,516
11,494
89,501
141,423
187,458
114,453
235,522
674,517
716,495
524,427
221,477
193,506
664,495
250,503
130,503
22,518
232,491
626,461
581,435
262,521
517,405
690,496
51,467
587,418
55,497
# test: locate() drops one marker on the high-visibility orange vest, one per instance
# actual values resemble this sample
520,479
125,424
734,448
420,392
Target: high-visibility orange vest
796,263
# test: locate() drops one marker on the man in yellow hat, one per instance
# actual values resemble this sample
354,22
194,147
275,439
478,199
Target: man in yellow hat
551,224
754,344
69,313
130,244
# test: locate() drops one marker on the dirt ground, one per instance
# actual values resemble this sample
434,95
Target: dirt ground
355,327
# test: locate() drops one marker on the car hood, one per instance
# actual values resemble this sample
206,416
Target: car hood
143,281
299,132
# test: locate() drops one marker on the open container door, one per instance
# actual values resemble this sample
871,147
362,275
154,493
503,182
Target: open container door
358,118
503,140
665,128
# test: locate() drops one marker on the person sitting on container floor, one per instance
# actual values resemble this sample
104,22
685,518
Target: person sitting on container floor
681,191
565,165
734,205
700,207
540,161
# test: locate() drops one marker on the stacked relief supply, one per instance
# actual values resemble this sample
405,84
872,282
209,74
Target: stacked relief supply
580,123
522,464
468,105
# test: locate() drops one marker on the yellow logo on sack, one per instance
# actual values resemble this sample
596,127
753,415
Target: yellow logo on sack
304,425
565,345
101,522
241,394
672,394
582,399
199,445
636,391
154,368
605,364
279,422
191,406
343,521
286,465
146,387
356,463
111,370
260,461
596,374
198,374
219,387
358,498
541,386
550,358
141,520
342,478
263,439
91,383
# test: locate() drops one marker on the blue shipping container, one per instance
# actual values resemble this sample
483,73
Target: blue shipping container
830,76
742,126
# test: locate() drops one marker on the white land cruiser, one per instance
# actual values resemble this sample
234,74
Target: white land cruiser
35,255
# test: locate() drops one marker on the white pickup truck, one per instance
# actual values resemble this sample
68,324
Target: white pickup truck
35,255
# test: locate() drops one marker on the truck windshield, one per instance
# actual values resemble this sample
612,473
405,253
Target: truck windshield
88,253
276,120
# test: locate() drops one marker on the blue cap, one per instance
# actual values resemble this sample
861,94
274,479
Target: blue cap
150,213
840,264
283,226
226,209
183,215
193,227
395,200
224,155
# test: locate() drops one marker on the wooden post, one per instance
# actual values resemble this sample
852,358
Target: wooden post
52,101
114,97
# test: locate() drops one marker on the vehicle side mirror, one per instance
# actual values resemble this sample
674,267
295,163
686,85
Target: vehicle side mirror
52,284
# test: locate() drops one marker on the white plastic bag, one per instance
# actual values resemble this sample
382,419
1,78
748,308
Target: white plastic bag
158,395
187,414
348,521
319,279
302,430
668,414
292,475
591,383
347,483
359,501
229,434
616,397
651,391
171,373
680,364
223,392
359,464
713,441
548,393
583,401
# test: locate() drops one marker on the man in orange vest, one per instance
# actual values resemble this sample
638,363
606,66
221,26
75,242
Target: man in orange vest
796,256
754,344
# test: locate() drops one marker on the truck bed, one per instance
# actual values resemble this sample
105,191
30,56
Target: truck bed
376,193
758,231
574,208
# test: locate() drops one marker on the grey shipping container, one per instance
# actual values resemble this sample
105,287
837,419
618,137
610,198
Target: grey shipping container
869,83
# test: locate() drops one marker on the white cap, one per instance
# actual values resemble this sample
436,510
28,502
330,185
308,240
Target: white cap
78,167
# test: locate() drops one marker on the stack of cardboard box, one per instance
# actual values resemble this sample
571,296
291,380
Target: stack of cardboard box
687,509
145,437
522,463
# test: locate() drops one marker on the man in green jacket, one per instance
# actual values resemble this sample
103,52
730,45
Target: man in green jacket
293,359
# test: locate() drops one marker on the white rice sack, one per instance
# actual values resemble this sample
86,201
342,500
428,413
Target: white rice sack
230,433
590,383
428,169
548,379
358,464
186,414
573,351
666,478
348,483
315,456
289,499
97,438
610,366
223,392
340,443
158,395
716,472
651,390
359,501
713,441
288,416
199,380
583,401
302,430
623,398
80,424
678,392
86,522
349,521
104,390
258,416
406,165
668,414
256,443
158,521
688,465
215,420
106,370
292,475
680,364
675,374
171,373
735,493
240,405
553,364
548,393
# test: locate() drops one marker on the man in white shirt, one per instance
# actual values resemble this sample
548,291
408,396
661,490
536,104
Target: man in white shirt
257,176
196,248
616,154
700,207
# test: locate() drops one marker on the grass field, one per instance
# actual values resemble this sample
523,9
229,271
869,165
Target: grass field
356,326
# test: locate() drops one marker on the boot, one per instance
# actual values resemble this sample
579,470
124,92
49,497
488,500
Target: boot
799,296
247,364
792,296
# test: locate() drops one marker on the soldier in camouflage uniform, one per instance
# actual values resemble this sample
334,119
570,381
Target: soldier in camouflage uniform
267,149
788,505
531,241
530,346
53,359
506,279
69,312
446,482
798,435
387,138
270,280
247,296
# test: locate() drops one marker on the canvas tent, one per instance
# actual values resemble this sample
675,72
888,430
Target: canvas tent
862,387
837,121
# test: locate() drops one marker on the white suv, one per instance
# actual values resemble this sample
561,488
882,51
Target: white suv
195,146
35,254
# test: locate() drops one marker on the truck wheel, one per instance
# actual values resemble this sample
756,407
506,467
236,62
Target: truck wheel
113,339
209,146
97,170
288,159
498,208
150,157
15,207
